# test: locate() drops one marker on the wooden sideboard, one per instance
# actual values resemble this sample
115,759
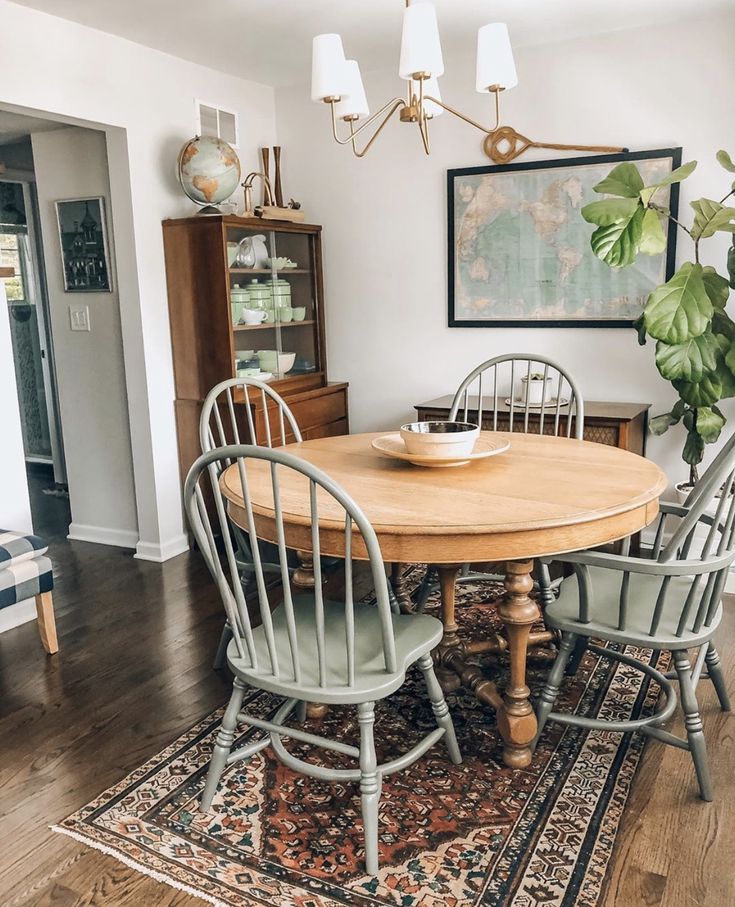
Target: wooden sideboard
622,425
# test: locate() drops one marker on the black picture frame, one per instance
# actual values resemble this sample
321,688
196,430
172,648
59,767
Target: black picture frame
602,159
85,255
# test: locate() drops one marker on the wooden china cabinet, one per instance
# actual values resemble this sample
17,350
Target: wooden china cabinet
209,343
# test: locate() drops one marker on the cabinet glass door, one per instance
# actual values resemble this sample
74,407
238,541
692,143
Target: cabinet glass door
273,303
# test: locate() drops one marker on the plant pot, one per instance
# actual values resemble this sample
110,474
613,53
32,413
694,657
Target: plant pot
683,490
534,390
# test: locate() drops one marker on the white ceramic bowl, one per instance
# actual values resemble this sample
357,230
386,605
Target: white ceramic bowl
440,439
270,361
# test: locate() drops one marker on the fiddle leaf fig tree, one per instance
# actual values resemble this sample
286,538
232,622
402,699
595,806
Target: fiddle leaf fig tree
686,317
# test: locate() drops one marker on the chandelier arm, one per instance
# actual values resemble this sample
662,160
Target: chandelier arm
422,121
393,104
460,115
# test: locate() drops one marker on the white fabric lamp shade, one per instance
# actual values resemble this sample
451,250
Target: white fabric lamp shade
421,49
329,77
431,87
495,65
353,103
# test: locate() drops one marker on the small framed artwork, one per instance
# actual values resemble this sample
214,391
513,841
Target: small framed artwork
84,252
519,249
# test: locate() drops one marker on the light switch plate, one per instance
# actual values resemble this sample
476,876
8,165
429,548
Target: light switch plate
79,317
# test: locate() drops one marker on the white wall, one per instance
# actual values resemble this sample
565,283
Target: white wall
72,163
385,216
145,99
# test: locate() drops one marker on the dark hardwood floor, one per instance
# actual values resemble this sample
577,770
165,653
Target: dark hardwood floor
134,671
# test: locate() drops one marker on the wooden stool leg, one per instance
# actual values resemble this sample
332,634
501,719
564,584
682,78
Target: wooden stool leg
47,622
516,719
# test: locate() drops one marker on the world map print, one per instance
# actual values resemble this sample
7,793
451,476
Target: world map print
522,250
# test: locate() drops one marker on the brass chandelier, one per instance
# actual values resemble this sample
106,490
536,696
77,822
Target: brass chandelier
337,81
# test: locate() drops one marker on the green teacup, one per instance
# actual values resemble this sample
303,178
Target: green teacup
299,312
285,313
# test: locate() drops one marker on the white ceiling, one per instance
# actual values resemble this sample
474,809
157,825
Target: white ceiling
15,126
269,41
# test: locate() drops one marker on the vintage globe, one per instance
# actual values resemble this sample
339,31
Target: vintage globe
209,170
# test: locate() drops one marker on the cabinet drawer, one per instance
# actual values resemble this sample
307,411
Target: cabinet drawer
311,414
333,430
321,410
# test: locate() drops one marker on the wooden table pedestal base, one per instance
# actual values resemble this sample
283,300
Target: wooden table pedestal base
515,715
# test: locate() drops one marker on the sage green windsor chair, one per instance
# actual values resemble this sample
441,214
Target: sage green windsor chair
499,376
670,601
307,648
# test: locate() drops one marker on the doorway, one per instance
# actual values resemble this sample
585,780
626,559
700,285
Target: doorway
28,317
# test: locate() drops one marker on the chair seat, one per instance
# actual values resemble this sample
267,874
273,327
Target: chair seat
25,579
415,634
18,546
563,614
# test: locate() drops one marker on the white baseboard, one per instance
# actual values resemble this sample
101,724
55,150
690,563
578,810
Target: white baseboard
158,553
18,614
101,535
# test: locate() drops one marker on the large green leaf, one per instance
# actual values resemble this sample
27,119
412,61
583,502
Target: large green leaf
617,244
723,327
653,238
660,424
693,449
700,393
730,358
711,216
624,181
731,263
610,211
715,286
725,161
710,422
687,361
680,309
726,380
677,175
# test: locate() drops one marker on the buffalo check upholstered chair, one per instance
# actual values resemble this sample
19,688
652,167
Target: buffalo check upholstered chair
26,572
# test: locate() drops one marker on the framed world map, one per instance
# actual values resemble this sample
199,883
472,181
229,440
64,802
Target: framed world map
519,250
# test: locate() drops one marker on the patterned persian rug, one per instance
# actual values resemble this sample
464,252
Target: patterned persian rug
450,836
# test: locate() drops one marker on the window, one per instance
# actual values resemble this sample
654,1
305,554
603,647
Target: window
217,122
10,258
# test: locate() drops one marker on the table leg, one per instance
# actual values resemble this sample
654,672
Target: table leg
400,589
516,718
303,576
451,643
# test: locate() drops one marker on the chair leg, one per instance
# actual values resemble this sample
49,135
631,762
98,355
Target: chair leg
440,708
551,688
370,784
424,590
223,744
714,669
301,712
47,622
224,640
693,723
580,647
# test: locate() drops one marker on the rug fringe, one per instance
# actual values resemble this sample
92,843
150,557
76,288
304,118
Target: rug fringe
139,867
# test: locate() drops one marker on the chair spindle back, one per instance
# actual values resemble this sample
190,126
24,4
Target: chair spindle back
701,547
499,377
284,655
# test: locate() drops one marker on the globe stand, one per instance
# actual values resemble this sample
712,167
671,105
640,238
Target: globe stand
209,209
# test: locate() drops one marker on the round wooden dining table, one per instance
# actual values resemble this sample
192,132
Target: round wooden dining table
543,496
